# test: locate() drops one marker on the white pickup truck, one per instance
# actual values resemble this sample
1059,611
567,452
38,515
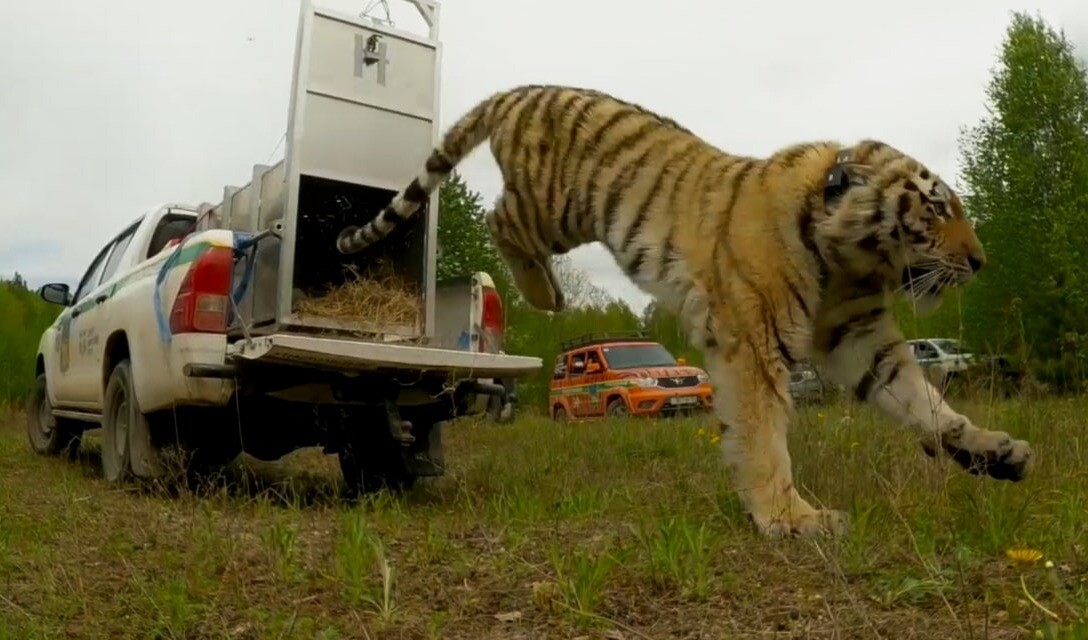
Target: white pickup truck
104,363
188,330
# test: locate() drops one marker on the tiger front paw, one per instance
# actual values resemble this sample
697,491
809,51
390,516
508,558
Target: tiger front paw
804,523
984,452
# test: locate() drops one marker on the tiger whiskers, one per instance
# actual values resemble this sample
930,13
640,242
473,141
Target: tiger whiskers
923,283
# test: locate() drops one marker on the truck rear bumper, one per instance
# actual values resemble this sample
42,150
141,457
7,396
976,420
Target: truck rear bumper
163,375
351,355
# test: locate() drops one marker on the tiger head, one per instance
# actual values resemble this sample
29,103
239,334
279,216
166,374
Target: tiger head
897,220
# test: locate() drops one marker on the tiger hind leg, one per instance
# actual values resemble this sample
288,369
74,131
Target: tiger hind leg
533,274
752,404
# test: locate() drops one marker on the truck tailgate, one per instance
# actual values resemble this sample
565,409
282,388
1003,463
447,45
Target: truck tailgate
352,355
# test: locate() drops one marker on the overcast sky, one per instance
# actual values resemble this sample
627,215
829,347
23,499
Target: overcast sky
107,108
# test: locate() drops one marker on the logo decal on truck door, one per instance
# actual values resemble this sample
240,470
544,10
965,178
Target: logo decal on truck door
64,333
368,51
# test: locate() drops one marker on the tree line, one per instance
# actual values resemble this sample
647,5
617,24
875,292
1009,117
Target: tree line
23,318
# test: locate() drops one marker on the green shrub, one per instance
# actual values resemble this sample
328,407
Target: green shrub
23,318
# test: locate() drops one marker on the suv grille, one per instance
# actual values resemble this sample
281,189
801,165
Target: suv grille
678,382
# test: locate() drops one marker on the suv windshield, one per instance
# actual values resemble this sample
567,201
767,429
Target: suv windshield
948,346
631,356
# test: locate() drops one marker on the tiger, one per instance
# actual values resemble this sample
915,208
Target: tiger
766,261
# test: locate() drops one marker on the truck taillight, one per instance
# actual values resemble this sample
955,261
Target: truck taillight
491,321
203,303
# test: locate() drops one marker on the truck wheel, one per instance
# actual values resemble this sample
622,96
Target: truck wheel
560,414
124,425
49,435
498,412
506,415
370,467
617,408
369,457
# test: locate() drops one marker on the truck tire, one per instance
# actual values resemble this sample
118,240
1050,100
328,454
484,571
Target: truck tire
188,443
127,447
370,459
498,412
372,464
49,435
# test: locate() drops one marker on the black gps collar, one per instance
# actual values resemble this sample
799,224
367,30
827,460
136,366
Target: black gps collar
837,182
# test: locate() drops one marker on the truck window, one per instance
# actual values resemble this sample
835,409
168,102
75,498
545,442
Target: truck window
171,227
119,249
90,279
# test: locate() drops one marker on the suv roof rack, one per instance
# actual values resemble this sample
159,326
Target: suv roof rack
588,339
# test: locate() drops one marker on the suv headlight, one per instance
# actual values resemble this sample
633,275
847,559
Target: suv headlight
703,378
645,382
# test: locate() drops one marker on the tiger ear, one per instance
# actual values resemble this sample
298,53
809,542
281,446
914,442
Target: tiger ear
957,206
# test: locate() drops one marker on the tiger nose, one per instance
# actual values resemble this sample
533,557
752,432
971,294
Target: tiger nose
976,261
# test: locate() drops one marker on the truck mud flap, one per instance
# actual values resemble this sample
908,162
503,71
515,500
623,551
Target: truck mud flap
338,354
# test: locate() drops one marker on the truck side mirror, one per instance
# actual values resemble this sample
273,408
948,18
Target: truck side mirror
57,293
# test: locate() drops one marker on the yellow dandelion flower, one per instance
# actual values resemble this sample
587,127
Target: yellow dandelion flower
700,433
1023,556
715,439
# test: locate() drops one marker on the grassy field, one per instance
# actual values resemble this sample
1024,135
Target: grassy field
603,530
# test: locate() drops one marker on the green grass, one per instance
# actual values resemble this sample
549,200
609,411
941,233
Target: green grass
23,318
609,529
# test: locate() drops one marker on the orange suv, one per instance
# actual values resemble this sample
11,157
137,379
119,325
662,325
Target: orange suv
619,374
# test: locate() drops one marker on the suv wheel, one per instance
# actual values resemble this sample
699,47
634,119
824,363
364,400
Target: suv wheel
618,408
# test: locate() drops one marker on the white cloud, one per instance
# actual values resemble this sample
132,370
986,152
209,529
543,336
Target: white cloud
108,108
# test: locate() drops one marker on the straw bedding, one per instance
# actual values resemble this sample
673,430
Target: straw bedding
377,296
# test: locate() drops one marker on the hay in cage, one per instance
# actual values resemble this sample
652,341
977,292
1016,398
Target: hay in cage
377,296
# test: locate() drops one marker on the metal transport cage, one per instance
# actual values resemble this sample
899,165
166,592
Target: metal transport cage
361,122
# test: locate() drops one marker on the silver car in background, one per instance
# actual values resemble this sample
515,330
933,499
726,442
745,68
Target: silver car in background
805,385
